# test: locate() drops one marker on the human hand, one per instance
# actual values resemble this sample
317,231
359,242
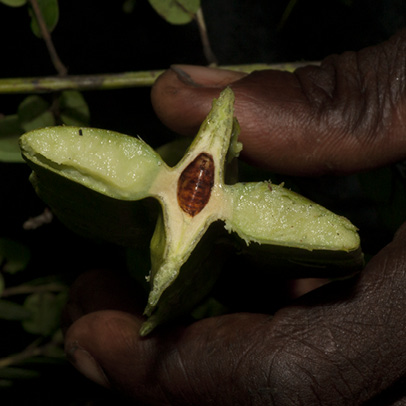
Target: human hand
342,344
347,115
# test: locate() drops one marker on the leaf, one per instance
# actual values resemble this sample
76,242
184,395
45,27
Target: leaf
10,131
211,307
14,256
13,311
176,11
5,383
45,309
128,6
12,373
33,112
13,3
74,109
288,11
50,13
2,285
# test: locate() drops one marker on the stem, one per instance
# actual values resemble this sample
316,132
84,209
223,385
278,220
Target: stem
33,350
208,53
78,82
28,289
59,66
286,14
112,81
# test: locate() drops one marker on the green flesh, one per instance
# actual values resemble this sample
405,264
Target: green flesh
126,168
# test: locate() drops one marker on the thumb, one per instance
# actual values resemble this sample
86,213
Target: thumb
182,95
343,116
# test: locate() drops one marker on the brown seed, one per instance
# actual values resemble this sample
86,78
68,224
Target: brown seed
195,184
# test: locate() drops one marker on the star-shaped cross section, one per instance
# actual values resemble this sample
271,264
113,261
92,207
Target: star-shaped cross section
193,196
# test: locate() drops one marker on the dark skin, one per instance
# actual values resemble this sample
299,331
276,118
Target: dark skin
342,344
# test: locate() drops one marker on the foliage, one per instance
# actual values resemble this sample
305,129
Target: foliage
176,11
49,11
35,111
36,304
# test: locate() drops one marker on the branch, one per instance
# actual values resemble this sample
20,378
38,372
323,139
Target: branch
29,289
112,81
59,66
208,52
33,350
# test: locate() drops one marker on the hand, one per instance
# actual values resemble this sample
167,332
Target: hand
345,116
342,344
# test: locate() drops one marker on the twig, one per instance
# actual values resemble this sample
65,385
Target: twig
59,66
34,222
28,289
78,82
113,81
286,14
33,350
208,52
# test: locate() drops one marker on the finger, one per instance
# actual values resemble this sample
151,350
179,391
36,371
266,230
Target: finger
342,344
166,368
351,338
101,289
343,116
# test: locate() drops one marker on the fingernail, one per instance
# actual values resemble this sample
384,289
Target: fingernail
83,361
200,76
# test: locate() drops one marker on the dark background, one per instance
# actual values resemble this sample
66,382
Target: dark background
98,37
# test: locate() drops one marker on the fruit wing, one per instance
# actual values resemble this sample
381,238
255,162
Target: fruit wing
107,162
273,215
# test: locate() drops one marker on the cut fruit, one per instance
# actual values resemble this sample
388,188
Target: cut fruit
194,200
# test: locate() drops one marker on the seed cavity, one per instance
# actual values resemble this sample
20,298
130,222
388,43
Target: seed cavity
195,184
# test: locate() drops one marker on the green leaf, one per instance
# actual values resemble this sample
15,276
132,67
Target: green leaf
288,11
45,309
50,13
14,256
13,311
33,112
12,373
128,6
10,131
74,109
5,383
211,307
176,11
13,3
